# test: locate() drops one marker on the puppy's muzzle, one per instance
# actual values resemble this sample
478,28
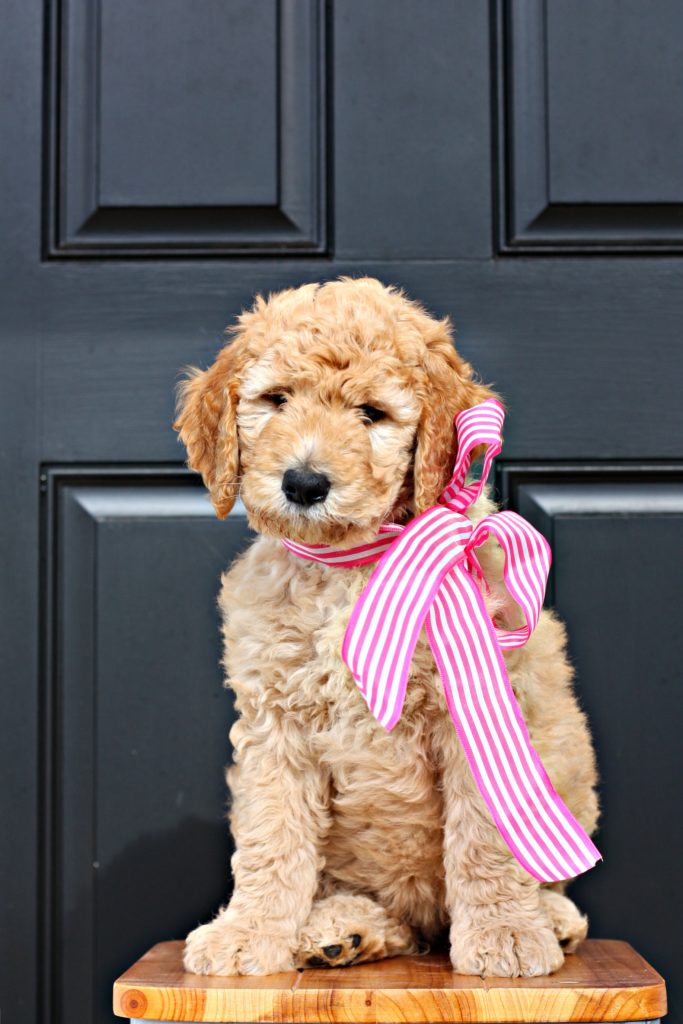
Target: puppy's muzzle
305,487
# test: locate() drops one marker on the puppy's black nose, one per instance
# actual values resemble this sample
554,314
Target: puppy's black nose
304,487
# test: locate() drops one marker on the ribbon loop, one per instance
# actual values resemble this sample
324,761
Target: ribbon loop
480,425
425,578
527,564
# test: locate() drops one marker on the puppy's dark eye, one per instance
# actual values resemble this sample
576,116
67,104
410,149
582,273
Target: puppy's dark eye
275,398
370,414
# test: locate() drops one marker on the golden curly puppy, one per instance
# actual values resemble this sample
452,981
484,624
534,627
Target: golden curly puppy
330,412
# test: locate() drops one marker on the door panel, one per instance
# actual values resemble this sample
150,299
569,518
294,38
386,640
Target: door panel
593,126
180,127
482,157
138,718
616,539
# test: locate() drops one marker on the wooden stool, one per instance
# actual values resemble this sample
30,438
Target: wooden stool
603,981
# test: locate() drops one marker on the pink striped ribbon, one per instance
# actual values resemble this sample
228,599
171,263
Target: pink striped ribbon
425,577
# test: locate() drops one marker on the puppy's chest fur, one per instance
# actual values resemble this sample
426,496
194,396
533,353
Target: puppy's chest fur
284,620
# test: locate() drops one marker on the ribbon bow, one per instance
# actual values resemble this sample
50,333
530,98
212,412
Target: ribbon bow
425,577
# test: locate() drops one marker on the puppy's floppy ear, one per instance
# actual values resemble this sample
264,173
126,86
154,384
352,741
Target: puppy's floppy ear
207,423
450,388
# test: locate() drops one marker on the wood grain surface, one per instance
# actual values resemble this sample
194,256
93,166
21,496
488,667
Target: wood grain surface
604,980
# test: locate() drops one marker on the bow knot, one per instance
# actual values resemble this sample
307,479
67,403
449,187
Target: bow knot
426,577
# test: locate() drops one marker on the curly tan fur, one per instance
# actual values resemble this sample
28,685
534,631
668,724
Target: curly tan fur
351,844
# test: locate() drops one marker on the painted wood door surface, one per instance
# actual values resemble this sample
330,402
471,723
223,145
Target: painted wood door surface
516,165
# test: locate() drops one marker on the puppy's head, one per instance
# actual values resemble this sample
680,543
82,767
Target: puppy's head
330,411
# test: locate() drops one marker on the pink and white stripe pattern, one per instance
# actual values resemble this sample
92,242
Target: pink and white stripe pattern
425,577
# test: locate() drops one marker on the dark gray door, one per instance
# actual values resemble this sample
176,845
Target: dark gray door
518,166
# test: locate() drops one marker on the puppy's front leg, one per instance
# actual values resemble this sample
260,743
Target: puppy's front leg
278,817
498,926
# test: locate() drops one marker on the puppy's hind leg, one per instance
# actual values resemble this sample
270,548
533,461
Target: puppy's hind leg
567,921
345,929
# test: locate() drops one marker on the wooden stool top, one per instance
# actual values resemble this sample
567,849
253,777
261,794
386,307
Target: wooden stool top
603,981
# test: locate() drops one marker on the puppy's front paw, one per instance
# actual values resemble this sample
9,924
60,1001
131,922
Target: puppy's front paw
221,948
505,951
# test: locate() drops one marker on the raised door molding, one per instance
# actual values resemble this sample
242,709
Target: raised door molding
592,128
135,721
615,532
188,129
